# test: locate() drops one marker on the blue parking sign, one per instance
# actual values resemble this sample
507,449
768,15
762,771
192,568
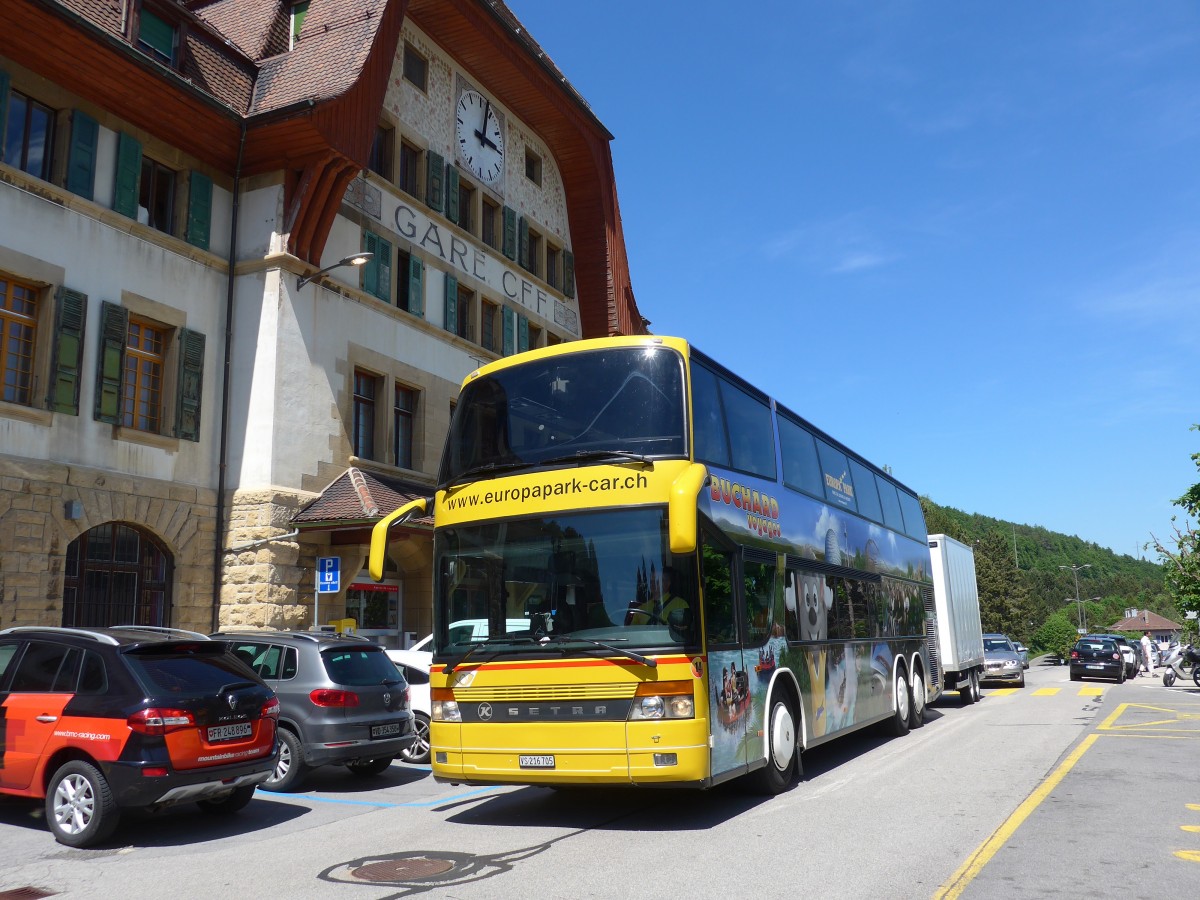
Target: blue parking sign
328,574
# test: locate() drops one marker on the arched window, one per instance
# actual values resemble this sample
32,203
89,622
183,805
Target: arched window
116,574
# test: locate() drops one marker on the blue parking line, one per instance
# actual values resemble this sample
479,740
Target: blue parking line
440,800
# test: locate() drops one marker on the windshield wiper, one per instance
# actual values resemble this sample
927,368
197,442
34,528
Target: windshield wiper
593,455
619,651
451,666
492,468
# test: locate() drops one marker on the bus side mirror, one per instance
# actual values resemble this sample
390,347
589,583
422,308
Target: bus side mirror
379,534
681,508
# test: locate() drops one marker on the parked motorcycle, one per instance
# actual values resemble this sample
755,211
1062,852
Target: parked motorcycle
1180,659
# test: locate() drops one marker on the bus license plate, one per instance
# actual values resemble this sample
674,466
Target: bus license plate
229,732
381,731
536,762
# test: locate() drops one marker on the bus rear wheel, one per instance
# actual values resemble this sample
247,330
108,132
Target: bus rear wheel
899,724
783,759
917,714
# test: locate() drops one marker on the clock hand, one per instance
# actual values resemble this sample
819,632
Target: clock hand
480,133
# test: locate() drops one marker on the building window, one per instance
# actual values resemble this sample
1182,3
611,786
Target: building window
488,232
381,152
156,37
365,385
534,260
116,574
18,332
466,299
533,167
299,12
156,196
489,326
416,67
535,337
28,140
410,169
466,200
553,266
145,355
406,406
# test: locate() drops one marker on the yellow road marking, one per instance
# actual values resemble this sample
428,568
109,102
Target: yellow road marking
1046,692
1002,692
983,854
1110,724
1192,828
1194,807
1189,855
1091,690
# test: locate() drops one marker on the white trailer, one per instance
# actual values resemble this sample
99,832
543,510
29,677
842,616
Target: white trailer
956,599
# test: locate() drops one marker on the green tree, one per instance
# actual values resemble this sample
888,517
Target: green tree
1056,637
1003,598
1181,562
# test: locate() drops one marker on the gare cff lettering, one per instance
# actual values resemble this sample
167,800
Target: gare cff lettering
741,497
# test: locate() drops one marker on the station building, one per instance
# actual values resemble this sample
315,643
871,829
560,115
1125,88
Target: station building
249,249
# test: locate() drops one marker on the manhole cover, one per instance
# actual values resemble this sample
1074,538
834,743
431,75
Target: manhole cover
408,869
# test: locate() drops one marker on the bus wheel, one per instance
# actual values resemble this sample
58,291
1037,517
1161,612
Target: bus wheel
899,724
917,715
783,761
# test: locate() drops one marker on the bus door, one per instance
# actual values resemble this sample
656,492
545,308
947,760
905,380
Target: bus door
728,683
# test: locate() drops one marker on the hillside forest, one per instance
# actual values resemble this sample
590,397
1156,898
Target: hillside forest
1023,592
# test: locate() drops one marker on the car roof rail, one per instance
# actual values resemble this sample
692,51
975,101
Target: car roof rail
54,629
160,629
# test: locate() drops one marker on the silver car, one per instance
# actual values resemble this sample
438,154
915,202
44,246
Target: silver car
1001,662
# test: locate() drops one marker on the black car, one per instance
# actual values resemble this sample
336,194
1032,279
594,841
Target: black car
1097,658
1131,654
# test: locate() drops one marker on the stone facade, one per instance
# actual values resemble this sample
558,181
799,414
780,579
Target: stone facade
35,533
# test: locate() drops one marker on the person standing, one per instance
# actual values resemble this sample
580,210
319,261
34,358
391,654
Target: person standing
1147,659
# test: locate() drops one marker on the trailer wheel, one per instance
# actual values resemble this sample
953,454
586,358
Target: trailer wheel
967,689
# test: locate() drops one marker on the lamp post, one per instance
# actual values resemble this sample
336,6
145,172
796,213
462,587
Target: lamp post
1075,571
358,259
1079,611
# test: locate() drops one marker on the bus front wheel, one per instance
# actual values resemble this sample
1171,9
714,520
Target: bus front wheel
783,758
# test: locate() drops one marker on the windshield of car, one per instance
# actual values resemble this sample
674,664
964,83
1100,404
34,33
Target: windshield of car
359,666
996,644
1097,646
616,400
537,583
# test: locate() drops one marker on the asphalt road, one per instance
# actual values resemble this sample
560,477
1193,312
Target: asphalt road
1058,789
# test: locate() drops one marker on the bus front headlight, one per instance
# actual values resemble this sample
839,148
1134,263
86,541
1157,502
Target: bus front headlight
443,707
663,700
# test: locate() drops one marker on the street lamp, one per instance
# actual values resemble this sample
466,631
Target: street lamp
1075,571
358,259
1076,600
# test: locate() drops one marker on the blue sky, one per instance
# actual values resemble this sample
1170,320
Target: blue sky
962,238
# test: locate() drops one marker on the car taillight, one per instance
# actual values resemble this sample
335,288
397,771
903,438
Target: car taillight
1074,654
1116,656
270,709
330,697
154,720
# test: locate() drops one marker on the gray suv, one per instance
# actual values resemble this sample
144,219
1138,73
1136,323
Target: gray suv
341,700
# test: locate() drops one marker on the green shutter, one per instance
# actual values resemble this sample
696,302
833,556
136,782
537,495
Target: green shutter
81,158
190,383
568,273
522,333
129,173
523,243
370,271
110,365
508,316
4,82
452,193
451,312
416,286
383,256
435,181
199,209
509,240
70,320
157,34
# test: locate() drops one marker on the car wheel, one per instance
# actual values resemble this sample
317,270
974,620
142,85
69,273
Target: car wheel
1075,677
417,752
916,717
369,767
1021,682
1121,676
224,806
783,762
80,808
290,767
898,725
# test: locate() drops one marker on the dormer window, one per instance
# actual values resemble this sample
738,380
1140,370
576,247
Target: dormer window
156,37
299,11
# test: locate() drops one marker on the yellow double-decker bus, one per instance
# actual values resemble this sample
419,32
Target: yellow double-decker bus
647,572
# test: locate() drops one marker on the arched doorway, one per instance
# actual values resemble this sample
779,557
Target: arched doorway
116,574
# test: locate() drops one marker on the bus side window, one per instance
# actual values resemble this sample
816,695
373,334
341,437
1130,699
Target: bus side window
718,595
759,581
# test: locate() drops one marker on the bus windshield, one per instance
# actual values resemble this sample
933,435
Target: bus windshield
564,580
619,400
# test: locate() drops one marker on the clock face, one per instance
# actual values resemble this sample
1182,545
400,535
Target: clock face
480,142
